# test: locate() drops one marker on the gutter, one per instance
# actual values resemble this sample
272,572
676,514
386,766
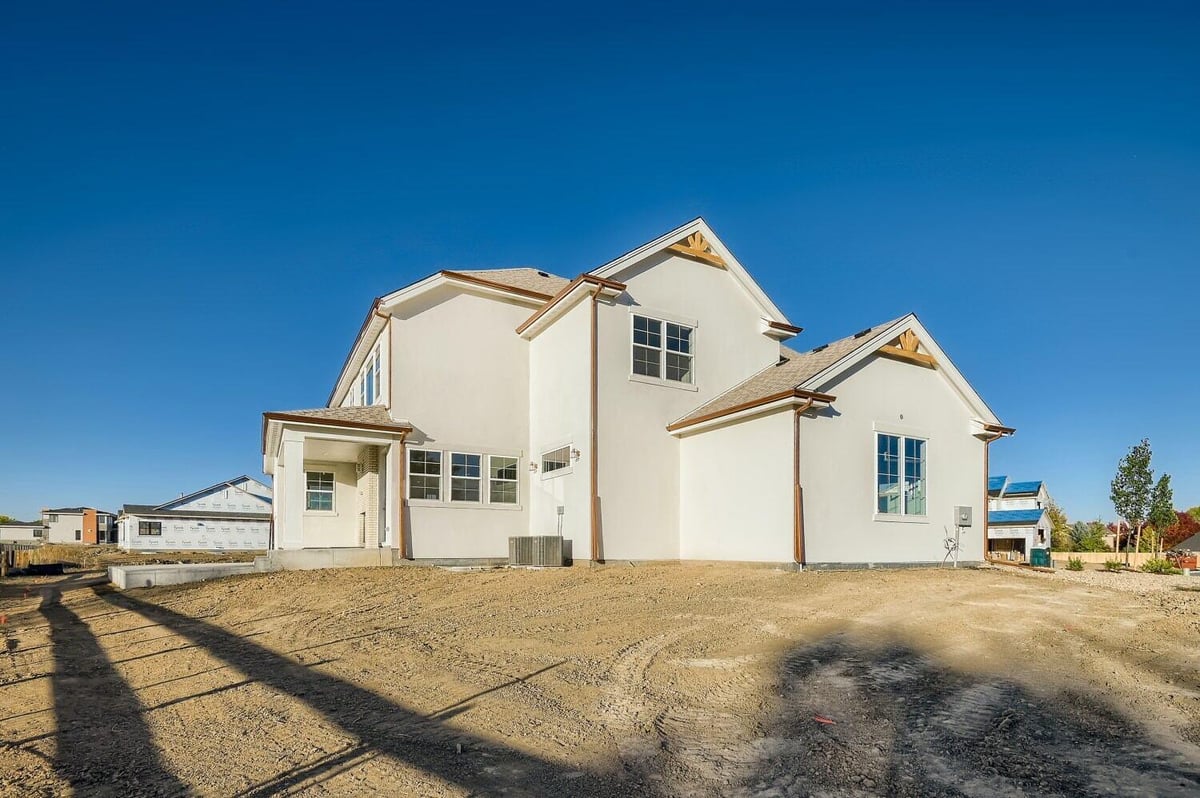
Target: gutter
994,433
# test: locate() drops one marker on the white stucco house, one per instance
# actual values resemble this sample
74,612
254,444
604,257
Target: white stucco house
83,525
22,532
1018,521
645,410
234,514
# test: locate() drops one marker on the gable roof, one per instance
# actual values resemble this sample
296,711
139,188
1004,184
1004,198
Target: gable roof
996,484
791,371
767,308
232,483
1013,517
1023,488
70,510
524,278
371,417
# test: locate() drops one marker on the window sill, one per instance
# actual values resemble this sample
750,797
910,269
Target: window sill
901,519
679,386
462,505
321,512
558,472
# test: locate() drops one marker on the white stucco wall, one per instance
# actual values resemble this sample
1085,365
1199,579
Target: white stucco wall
639,459
735,491
838,459
341,526
64,528
462,379
16,533
560,415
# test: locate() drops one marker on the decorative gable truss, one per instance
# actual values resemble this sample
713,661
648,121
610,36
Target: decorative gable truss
907,346
696,246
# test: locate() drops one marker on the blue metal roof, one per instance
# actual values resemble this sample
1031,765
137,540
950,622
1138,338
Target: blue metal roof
1017,488
1002,517
996,484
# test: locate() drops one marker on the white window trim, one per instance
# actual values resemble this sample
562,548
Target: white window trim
408,475
479,479
560,472
489,479
898,518
484,503
317,469
664,319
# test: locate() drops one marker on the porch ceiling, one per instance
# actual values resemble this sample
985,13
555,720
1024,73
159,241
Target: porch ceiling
330,450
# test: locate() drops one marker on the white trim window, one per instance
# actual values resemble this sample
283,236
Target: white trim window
662,349
425,474
318,491
556,460
466,477
901,482
502,480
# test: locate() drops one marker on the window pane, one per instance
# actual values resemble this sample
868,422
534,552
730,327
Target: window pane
888,471
647,332
423,462
646,361
679,367
679,338
914,476
503,467
556,460
502,492
464,490
464,465
319,480
425,487
319,500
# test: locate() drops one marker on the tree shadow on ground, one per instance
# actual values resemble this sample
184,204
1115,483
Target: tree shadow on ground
103,745
379,725
905,726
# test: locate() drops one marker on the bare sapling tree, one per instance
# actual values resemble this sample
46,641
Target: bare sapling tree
1131,489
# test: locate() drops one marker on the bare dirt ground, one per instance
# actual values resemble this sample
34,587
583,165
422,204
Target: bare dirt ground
660,680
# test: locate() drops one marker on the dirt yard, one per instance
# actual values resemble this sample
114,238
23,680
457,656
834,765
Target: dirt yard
659,680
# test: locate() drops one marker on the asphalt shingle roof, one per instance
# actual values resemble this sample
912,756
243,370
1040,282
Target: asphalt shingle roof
525,278
793,369
373,415
152,511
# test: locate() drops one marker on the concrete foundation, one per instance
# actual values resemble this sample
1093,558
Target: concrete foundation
127,576
313,559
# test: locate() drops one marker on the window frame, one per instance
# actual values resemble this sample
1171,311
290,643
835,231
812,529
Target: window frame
409,473
477,480
155,526
515,481
663,319
903,436
556,472
332,491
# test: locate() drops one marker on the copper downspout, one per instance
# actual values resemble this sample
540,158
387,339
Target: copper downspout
797,488
593,454
996,434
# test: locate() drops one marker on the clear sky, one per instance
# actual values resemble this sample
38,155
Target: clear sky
198,203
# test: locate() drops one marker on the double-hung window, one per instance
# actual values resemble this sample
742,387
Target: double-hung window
424,474
502,479
901,485
466,476
662,349
318,491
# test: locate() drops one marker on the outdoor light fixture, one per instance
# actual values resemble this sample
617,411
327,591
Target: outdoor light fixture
533,466
575,455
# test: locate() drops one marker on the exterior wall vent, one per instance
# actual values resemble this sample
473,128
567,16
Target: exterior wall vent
537,550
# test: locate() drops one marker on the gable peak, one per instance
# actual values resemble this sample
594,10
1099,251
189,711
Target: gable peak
696,246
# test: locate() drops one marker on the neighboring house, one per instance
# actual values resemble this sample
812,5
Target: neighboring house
85,525
22,532
646,410
1017,518
235,514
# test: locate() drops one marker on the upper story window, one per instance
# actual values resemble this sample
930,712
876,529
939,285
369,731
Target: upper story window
901,486
53,518
367,388
662,349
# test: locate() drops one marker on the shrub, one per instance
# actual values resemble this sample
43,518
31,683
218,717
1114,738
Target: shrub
1113,565
1160,567
1074,564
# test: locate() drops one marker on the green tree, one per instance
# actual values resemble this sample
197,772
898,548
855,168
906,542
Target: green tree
1195,512
1088,536
1130,490
1162,510
7,519
1060,528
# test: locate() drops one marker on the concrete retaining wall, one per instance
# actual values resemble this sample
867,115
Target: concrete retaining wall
312,559
127,576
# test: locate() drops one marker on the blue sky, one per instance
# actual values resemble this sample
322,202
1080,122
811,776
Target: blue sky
198,203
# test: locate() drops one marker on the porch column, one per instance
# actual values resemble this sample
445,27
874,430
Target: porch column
394,491
289,532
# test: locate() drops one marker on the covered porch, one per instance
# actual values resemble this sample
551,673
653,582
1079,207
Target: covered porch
338,474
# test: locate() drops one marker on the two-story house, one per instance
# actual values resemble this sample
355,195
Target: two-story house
234,514
645,410
1018,521
85,525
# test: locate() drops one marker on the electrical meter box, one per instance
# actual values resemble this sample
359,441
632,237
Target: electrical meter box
962,515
